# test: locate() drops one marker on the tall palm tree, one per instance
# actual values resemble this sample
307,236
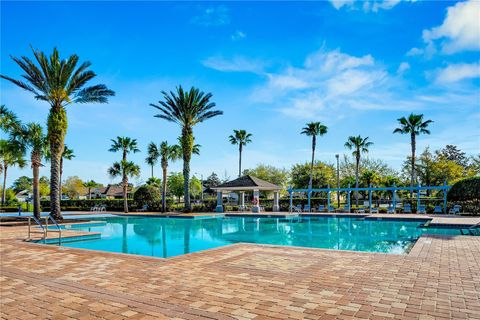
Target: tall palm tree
313,129
11,154
242,138
359,145
124,169
59,83
167,153
89,185
153,155
414,126
186,108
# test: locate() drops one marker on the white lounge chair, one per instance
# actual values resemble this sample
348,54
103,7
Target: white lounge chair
297,208
374,210
455,209
391,209
143,208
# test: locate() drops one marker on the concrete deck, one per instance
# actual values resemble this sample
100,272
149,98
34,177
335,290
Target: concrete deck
439,279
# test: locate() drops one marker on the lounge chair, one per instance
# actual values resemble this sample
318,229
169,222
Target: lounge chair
321,208
438,209
407,208
361,210
391,209
297,208
143,208
421,209
455,209
307,208
346,208
374,210
331,209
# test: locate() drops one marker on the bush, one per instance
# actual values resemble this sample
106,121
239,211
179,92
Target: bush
148,195
466,193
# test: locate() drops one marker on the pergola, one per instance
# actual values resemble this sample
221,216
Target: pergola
248,183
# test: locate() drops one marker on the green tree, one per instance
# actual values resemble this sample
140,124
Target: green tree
10,156
22,183
167,153
44,186
269,173
124,168
195,186
89,185
414,126
186,108
154,182
323,174
212,181
147,194
453,153
369,177
74,187
152,155
359,145
313,129
59,83
240,138
176,184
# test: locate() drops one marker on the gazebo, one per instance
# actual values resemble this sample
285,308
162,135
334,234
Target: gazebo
248,183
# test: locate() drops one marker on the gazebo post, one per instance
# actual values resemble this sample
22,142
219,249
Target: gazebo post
348,198
291,198
444,196
219,202
328,199
370,198
256,201
276,196
418,196
394,200
242,200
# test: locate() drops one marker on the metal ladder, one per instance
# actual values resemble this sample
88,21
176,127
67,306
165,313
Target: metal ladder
45,228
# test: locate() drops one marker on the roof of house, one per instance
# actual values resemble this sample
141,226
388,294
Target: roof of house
247,183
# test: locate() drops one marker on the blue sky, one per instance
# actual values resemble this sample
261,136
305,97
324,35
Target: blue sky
272,67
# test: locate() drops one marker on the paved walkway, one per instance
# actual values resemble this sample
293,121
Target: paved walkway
440,278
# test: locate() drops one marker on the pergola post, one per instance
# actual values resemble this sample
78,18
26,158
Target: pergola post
444,196
291,198
242,200
418,196
309,195
276,205
256,201
328,199
394,200
370,198
219,207
348,198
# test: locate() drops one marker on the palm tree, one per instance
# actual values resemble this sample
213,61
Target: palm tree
242,138
186,108
89,185
359,145
11,154
313,129
153,155
413,125
167,153
59,83
124,169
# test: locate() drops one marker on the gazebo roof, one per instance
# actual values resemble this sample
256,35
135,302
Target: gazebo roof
247,183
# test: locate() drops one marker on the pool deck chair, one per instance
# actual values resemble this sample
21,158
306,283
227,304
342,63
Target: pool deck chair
346,208
455,209
361,210
438,209
407,208
421,209
143,208
391,209
297,208
321,208
331,209
374,210
306,208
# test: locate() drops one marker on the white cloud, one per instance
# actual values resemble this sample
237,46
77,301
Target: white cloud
367,5
458,72
237,64
403,67
238,35
460,31
212,16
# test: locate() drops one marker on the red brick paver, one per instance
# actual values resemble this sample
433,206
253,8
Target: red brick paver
439,279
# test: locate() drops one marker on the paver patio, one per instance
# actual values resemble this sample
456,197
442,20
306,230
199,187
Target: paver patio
439,278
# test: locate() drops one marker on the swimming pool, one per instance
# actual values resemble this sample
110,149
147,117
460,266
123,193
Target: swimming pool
168,237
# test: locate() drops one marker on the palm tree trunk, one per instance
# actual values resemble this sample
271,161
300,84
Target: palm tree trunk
240,161
152,170
187,146
57,128
4,187
35,157
125,194
89,193
314,142
60,178
357,169
412,179
164,188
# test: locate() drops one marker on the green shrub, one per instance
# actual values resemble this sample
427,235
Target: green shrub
466,193
148,195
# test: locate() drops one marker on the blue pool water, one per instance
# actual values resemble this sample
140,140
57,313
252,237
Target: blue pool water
167,237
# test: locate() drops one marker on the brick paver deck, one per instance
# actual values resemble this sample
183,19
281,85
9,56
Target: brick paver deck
440,278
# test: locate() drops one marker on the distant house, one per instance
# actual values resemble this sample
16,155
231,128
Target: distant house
111,191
